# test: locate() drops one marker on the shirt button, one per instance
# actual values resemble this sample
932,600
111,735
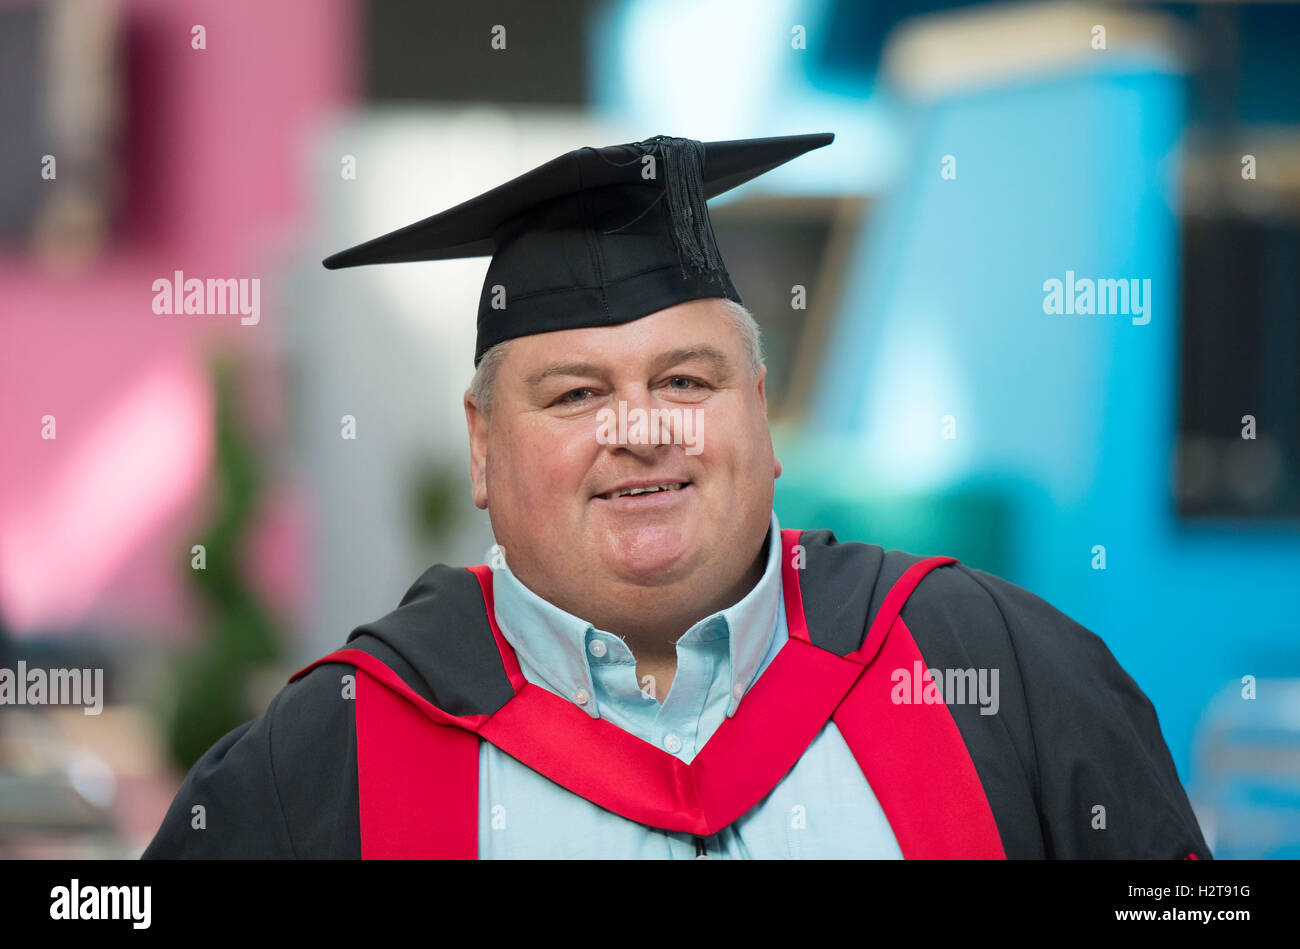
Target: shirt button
581,697
738,691
596,647
672,742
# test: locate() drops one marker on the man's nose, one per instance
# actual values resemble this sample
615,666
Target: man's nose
638,427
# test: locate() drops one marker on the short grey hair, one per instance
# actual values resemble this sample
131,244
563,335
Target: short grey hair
480,387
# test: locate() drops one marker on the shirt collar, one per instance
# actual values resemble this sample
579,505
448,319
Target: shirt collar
552,643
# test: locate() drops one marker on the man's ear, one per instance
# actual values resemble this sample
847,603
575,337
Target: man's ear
477,421
762,398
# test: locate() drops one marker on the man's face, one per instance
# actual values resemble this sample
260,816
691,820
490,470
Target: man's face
547,460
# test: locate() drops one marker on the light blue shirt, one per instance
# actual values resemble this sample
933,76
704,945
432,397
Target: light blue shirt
823,808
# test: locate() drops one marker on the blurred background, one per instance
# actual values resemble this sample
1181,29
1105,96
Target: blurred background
198,505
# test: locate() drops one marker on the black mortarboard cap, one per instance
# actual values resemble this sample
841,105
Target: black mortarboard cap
596,237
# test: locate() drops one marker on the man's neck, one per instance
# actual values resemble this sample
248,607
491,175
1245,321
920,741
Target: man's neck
654,644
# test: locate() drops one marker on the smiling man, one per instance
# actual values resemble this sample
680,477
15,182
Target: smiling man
650,666
632,535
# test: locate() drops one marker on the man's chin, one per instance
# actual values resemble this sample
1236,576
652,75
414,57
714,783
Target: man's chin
649,557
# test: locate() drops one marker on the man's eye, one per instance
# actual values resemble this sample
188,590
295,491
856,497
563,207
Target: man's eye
688,385
575,395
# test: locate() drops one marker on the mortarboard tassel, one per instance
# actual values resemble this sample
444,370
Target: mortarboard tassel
683,172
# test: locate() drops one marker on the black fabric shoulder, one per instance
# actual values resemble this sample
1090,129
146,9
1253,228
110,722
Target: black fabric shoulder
279,787
285,785
844,585
1106,781
440,642
228,806
837,582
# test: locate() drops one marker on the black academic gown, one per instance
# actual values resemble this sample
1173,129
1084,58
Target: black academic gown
1073,732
